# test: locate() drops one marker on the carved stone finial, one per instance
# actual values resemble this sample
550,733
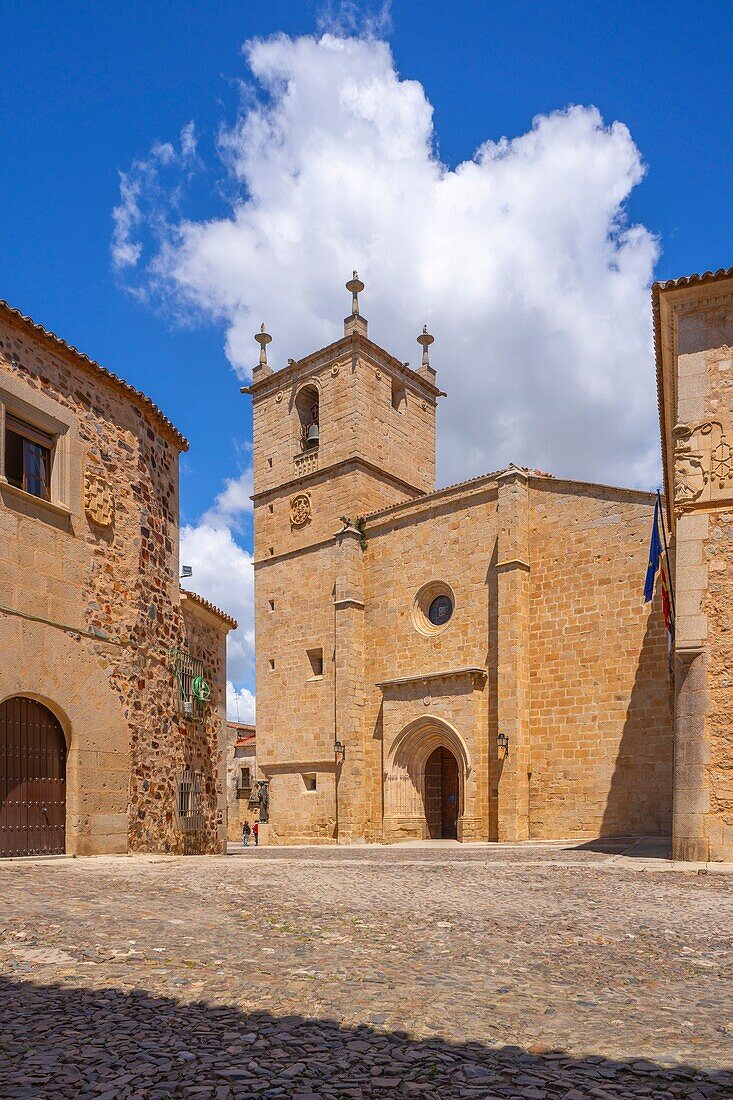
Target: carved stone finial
355,323
426,340
263,339
354,286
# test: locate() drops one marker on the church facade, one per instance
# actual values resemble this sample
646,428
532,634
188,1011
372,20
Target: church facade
474,662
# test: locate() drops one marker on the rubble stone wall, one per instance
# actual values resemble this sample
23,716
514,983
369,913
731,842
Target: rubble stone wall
102,557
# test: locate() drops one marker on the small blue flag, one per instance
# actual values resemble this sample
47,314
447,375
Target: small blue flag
655,550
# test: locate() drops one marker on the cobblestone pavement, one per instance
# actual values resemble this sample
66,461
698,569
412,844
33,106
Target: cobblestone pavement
529,972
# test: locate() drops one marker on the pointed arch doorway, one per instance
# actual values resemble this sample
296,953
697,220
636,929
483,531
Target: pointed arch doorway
32,780
426,780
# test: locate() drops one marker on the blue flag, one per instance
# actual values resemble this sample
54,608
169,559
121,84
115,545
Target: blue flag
655,549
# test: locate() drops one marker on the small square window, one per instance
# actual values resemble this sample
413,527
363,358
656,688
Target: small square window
28,457
310,781
315,659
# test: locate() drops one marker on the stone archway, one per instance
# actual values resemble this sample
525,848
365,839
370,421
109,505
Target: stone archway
425,782
32,779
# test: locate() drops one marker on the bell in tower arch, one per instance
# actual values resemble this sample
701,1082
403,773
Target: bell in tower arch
311,439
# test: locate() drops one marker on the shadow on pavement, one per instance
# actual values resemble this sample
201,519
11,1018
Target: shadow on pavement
640,847
104,1043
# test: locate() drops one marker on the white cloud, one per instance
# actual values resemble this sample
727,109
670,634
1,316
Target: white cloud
222,573
143,183
520,259
355,17
240,704
232,503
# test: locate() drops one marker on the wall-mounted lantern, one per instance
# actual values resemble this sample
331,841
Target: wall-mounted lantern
502,743
339,751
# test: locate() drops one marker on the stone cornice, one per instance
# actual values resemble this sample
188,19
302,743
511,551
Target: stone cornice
353,460
425,676
485,482
299,369
512,563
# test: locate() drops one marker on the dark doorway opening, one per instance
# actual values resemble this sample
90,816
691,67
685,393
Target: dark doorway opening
442,795
32,780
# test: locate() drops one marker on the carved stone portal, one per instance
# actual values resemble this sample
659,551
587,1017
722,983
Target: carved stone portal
703,462
98,503
300,509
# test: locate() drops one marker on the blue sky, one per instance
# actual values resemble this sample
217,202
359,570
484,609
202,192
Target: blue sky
90,89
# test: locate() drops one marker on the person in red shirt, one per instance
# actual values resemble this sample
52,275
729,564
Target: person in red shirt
256,832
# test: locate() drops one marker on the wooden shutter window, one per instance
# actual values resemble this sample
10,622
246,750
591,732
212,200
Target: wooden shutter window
35,435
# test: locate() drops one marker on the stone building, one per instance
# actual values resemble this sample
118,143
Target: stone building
112,680
473,662
693,329
241,770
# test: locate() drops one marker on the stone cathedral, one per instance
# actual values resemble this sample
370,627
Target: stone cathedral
476,662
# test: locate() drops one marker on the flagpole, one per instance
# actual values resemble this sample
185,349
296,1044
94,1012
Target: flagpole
666,553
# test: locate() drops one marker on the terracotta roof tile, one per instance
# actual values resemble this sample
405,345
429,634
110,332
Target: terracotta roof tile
691,280
211,607
137,395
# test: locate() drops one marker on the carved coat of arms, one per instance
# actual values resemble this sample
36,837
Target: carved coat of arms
300,509
703,467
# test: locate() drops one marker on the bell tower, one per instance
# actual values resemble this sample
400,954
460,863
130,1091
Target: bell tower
345,431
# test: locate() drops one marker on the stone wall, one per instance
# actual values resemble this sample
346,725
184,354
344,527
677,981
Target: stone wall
695,361
99,565
601,757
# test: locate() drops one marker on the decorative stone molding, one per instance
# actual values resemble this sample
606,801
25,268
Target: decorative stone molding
474,672
98,503
300,509
306,462
421,607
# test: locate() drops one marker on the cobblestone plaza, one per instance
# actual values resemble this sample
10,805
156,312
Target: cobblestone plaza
526,971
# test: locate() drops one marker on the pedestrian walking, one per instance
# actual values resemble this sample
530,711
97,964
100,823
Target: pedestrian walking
256,832
246,833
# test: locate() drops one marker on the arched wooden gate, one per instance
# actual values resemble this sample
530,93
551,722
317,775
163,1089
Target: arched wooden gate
32,780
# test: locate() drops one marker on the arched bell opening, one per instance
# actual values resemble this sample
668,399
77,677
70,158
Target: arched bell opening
307,406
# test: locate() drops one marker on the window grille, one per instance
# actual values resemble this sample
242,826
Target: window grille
193,687
190,797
